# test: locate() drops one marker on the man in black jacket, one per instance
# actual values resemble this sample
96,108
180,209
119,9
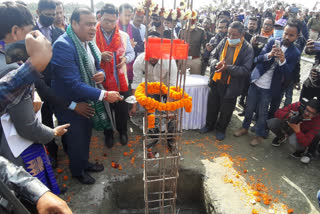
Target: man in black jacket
231,62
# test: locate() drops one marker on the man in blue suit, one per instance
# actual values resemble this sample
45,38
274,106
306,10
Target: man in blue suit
77,75
274,69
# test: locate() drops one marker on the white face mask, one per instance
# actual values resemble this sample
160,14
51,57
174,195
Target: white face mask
234,41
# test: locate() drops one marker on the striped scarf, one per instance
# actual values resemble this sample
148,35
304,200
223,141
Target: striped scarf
100,119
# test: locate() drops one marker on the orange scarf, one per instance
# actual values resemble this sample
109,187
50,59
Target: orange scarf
266,34
217,76
116,46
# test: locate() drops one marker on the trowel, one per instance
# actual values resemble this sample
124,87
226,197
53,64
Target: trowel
131,99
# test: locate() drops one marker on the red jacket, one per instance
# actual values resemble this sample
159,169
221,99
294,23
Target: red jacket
309,129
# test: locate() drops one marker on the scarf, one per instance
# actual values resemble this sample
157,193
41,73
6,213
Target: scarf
217,76
116,47
130,33
266,34
100,118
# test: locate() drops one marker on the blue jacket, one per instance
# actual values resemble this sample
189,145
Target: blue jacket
67,82
282,74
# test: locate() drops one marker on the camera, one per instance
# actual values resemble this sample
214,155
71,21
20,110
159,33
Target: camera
15,52
296,118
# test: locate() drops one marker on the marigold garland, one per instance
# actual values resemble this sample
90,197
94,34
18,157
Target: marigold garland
151,104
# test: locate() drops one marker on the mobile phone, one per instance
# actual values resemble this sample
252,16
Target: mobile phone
262,39
16,52
294,10
277,43
317,45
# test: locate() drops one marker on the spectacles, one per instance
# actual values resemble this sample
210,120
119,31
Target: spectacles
268,25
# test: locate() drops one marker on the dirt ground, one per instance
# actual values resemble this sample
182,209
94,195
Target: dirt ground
266,168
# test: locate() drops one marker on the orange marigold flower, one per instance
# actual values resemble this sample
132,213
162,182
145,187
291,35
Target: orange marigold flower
290,211
245,171
59,170
125,154
120,167
65,177
254,211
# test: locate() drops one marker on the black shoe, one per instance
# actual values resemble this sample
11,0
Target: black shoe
297,154
204,130
94,167
123,139
277,141
108,138
85,178
54,162
241,114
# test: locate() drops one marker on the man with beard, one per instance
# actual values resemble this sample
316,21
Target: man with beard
252,28
59,20
275,67
213,43
77,76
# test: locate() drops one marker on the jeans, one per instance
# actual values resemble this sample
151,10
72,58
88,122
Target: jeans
258,98
288,92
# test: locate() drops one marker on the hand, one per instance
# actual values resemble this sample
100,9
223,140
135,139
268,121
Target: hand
314,73
273,52
49,203
39,50
297,86
61,130
98,77
37,105
295,127
280,55
133,44
310,45
113,96
106,56
253,41
222,66
209,47
122,62
133,110
84,109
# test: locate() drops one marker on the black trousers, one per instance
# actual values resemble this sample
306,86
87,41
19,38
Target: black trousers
217,103
47,113
76,143
121,113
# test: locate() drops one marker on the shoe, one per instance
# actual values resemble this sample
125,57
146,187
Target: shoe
85,178
124,139
204,130
256,141
94,167
277,141
306,158
253,129
240,132
297,154
220,135
241,114
108,138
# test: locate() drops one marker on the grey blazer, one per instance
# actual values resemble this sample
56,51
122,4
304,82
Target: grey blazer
28,126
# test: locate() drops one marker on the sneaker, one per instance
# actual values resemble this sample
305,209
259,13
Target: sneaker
256,141
204,130
305,159
240,132
297,154
220,136
277,141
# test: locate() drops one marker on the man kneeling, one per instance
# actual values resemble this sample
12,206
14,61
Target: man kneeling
299,122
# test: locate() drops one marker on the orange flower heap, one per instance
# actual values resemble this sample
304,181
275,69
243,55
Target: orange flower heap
151,104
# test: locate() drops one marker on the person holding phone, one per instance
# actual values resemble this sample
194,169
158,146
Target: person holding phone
274,67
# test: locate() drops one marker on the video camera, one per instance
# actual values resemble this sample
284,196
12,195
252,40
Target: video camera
297,116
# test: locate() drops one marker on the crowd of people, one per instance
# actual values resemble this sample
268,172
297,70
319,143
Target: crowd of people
81,70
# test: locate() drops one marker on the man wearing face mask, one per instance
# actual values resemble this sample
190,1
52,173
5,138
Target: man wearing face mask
231,62
214,41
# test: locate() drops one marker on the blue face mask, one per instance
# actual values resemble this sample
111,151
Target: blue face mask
278,33
234,41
